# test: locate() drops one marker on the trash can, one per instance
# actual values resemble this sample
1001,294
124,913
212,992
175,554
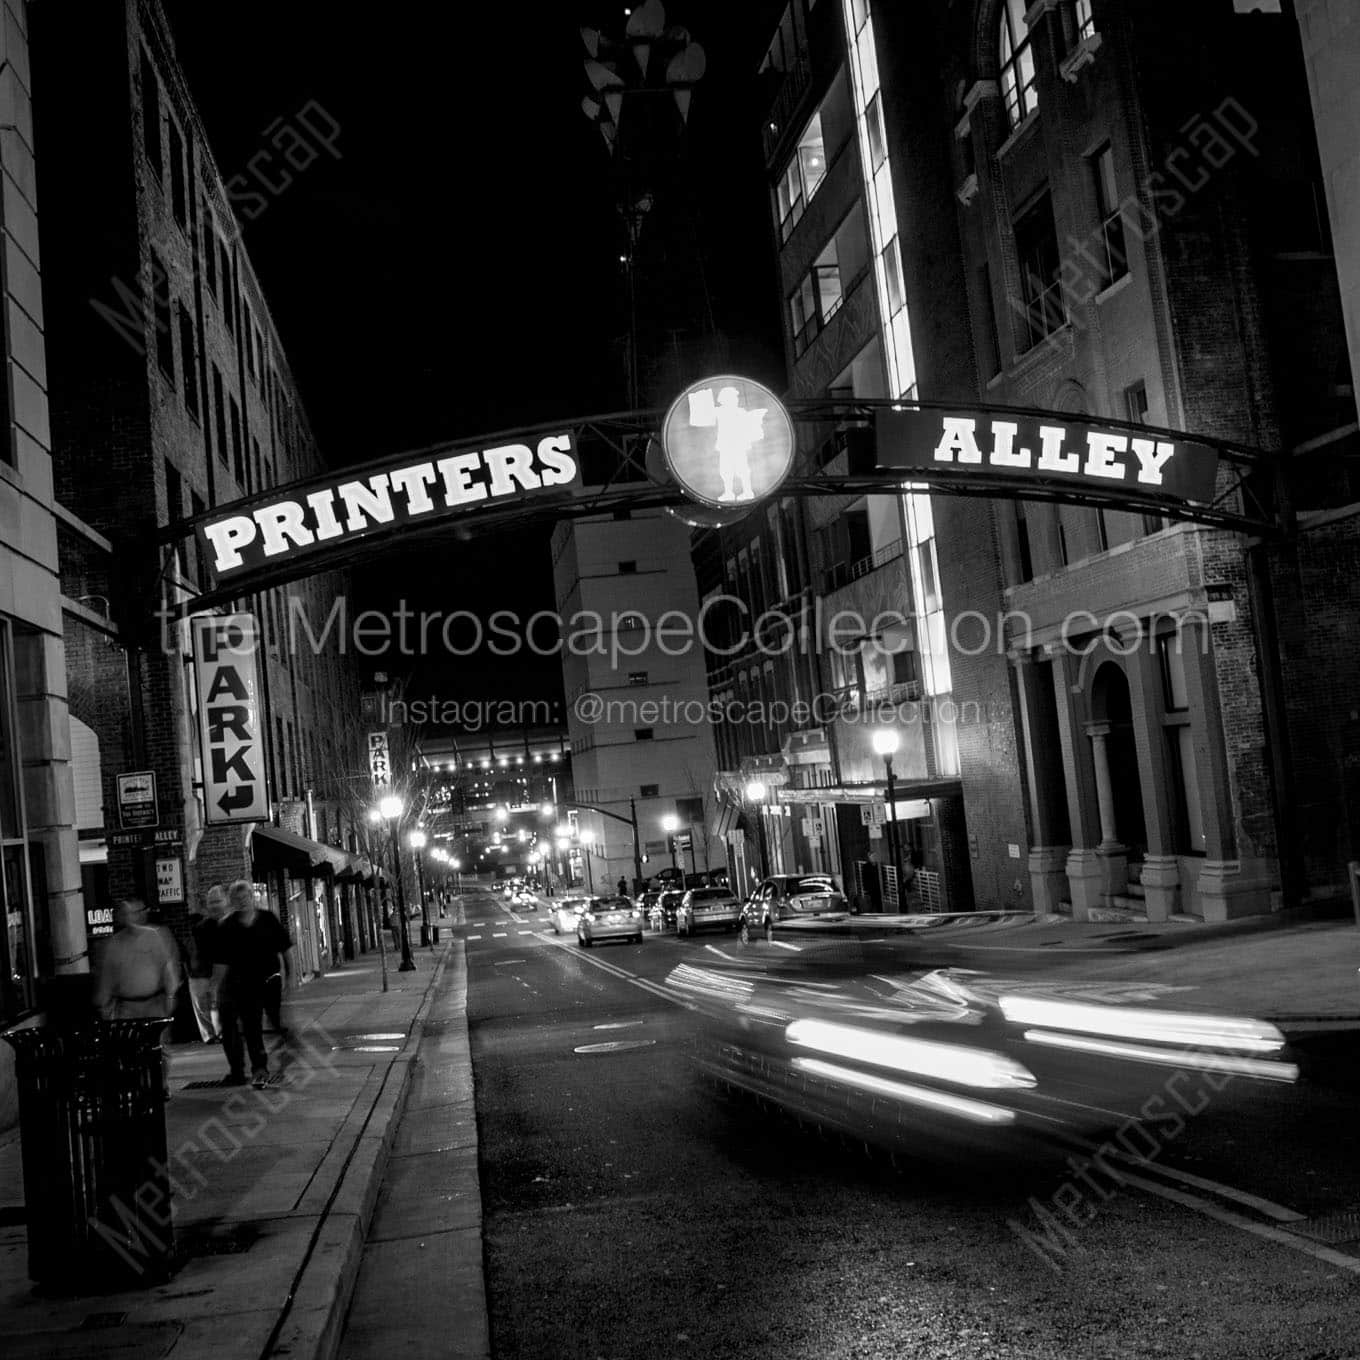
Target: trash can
92,1134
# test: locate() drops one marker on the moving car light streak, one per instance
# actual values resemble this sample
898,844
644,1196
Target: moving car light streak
922,1057
1170,1027
977,1110
1171,1057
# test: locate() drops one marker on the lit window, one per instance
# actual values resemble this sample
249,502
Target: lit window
1113,257
1086,22
802,176
1017,63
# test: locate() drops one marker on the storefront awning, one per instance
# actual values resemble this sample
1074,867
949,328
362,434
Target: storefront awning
273,849
358,869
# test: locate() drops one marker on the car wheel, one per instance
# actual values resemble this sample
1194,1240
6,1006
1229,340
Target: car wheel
769,930
744,933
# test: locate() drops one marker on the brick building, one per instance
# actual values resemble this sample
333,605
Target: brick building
171,393
1091,221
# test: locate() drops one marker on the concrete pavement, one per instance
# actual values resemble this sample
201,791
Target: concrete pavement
275,1189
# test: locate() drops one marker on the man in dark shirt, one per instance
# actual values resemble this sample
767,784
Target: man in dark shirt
202,956
252,946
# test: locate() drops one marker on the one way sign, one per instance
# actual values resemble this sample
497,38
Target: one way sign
229,720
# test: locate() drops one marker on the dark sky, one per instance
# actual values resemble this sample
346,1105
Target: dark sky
455,270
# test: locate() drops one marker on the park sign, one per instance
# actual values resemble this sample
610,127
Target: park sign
728,441
313,518
230,722
1045,452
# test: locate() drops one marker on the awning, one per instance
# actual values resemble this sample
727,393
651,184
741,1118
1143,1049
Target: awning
358,869
273,849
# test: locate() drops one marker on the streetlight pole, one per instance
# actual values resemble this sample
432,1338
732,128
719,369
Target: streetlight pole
390,807
418,839
886,743
374,817
629,821
670,824
587,842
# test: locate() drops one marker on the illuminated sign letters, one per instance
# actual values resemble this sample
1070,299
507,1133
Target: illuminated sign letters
315,517
728,441
229,719
1042,451
379,762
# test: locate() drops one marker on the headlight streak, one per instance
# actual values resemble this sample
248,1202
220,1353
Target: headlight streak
1168,1027
1267,1068
921,1057
976,1110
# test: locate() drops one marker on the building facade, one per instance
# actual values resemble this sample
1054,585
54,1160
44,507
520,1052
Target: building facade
636,701
1067,213
42,930
171,393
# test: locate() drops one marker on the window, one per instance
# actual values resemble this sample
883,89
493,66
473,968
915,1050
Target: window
160,303
817,300
1016,63
238,461
637,677
1102,531
228,293
1085,20
210,257
1175,692
649,791
802,176
196,508
256,462
188,357
179,202
1036,246
1187,815
151,114
1025,559
627,568
628,622
1062,543
1113,257
642,734
174,493
219,415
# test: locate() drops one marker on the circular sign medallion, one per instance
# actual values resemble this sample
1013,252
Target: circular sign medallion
728,441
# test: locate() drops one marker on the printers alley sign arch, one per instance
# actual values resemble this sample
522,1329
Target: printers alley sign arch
596,465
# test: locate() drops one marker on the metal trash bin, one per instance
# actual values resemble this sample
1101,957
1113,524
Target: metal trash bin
92,1134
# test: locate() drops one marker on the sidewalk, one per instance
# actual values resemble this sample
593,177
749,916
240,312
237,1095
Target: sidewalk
1299,974
274,1189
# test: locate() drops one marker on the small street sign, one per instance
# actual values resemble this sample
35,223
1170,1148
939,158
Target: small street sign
169,880
137,806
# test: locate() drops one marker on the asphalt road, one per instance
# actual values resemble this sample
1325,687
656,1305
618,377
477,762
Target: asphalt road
630,1211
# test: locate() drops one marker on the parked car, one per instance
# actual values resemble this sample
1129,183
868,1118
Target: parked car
785,897
563,913
706,908
663,912
609,918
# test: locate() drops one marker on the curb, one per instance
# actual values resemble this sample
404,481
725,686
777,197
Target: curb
313,1320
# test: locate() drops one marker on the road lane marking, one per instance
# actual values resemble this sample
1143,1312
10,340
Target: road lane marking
499,935
1234,1220
614,1046
526,932
783,944
713,949
621,1024
1278,1212
474,937
500,963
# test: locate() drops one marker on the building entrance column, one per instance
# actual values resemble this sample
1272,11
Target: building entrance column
1113,853
1085,864
1043,772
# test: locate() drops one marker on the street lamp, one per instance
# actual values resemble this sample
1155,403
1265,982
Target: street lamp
588,840
417,840
670,824
390,810
755,793
457,866
886,741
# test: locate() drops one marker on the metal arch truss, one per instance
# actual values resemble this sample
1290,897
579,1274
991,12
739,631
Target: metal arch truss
622,469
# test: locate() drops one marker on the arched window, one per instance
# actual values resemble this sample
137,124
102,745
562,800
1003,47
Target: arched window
1017,63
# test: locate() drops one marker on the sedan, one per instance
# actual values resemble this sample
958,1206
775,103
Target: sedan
790,897
565,912
609,918
664,910
702,908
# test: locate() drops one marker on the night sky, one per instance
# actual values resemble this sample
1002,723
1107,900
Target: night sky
455,270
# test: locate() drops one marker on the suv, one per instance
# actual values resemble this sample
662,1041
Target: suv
787,897
702,907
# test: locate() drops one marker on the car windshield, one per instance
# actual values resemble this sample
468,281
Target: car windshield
612,904
710,895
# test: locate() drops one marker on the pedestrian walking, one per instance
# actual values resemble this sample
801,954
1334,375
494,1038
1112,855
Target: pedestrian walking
623,886
202,958
139,970
252,946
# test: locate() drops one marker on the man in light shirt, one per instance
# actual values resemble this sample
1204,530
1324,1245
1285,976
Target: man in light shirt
139,970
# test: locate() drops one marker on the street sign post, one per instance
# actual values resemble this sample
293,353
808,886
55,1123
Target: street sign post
229,720
169,880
